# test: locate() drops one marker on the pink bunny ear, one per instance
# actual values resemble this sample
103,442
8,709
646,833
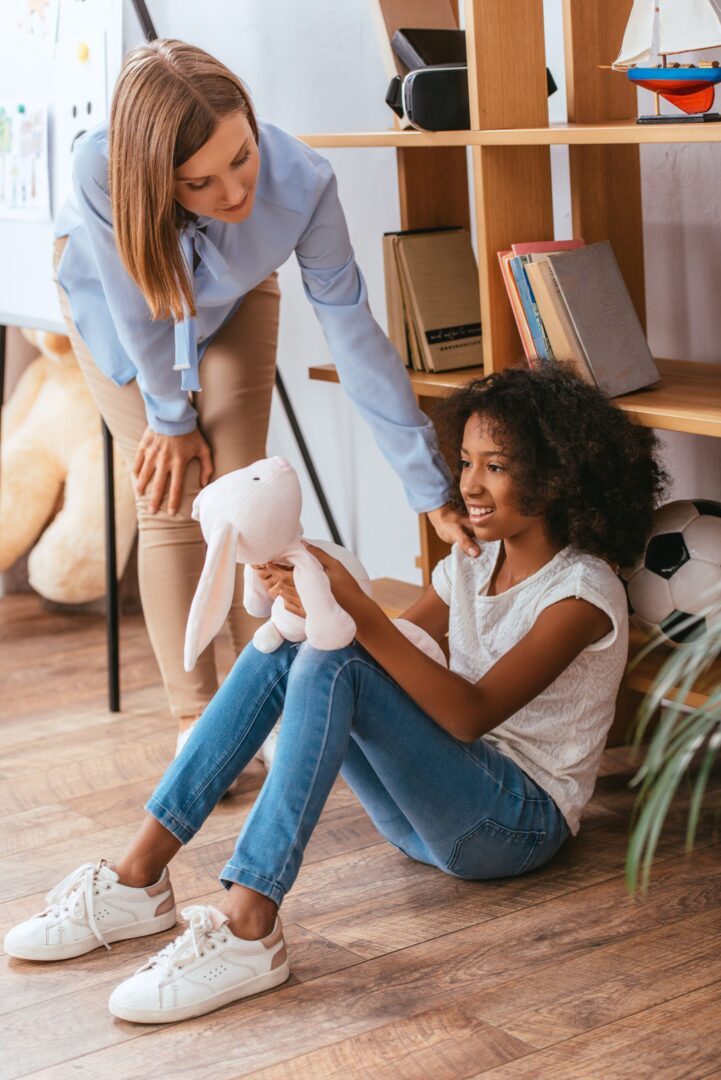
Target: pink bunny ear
214,593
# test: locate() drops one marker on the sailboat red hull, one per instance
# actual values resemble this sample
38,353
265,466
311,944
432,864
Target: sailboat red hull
690,89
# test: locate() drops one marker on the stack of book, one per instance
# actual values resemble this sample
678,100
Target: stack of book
570,303
434,312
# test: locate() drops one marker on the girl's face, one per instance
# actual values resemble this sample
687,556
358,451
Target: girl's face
219,180
487,487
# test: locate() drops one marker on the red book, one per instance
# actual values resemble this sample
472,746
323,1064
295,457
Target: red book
540,246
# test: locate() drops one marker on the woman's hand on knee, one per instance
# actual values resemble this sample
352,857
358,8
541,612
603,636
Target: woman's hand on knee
166,457
278,580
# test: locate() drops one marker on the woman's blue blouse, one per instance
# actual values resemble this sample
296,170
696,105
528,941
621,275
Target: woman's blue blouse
296,210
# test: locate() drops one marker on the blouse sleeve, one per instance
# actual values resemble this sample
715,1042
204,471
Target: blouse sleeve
368,365
150,344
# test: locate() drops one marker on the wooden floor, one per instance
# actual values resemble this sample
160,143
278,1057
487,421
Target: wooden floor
398,971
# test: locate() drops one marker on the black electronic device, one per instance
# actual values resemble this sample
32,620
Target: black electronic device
434,94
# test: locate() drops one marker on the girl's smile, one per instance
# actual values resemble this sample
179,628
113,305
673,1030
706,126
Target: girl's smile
487,486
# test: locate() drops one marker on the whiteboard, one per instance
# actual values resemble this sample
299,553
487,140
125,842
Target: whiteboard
28,74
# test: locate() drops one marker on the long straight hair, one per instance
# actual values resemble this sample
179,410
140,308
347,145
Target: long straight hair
167,103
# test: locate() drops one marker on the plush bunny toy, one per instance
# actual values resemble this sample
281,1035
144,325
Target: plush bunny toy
253,516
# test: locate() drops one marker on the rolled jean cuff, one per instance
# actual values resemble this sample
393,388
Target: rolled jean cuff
235,875
177,828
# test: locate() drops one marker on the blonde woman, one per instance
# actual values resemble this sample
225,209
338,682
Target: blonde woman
166,260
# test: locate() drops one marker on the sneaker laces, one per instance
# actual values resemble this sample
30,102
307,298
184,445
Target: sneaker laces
75,896
191,945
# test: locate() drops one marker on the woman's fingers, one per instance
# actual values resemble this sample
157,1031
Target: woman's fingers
159,483
177,472
206,464
147,468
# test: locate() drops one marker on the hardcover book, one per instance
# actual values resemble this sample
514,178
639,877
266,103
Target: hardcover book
604,318
440,276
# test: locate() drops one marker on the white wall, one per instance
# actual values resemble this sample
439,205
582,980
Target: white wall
314,66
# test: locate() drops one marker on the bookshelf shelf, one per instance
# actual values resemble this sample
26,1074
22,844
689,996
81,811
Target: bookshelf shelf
687,399
610,133
640,677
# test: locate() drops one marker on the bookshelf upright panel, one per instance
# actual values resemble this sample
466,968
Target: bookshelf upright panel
511,184
605,180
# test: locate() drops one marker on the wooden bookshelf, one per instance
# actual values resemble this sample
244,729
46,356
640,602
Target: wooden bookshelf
509,141
688,398
616,133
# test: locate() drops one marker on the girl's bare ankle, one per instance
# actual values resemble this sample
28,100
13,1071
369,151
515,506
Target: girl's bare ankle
136,875
251,916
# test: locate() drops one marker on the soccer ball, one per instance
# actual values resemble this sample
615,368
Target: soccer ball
679,574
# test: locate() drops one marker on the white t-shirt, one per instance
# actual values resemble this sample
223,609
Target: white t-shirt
558,738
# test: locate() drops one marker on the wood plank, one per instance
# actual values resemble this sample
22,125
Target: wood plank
294,1020
605,180
497,99
503,219
41,826
603,133
686,1045
688,397
583,994
443,1043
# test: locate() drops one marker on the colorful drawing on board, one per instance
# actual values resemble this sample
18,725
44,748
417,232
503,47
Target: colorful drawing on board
35,24
24,176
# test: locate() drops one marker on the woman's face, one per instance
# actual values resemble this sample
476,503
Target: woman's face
487,486
219,180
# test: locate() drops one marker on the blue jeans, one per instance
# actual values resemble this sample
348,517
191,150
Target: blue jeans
462,807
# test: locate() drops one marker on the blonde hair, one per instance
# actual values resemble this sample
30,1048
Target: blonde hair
167,103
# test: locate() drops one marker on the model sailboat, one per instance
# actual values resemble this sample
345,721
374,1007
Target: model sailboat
664,28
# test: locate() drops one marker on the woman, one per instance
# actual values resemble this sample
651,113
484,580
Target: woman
184,209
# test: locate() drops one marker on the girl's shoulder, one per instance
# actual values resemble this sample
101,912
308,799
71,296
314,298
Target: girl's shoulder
584,577
460,569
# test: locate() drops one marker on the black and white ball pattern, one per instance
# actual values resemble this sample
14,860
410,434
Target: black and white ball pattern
679,574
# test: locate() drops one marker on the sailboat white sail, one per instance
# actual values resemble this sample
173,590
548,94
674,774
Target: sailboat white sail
683,26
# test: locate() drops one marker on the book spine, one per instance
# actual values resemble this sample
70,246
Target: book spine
517,308
529,306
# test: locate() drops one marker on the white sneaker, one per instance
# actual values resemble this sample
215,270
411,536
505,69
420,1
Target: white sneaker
88,909
205,968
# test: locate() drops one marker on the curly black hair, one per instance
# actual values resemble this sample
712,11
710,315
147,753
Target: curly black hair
575,458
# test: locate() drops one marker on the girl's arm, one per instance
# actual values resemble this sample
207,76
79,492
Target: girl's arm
468,710
430,613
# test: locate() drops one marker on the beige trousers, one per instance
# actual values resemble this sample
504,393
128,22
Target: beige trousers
238,372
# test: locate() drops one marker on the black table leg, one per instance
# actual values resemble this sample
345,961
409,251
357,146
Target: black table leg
111,577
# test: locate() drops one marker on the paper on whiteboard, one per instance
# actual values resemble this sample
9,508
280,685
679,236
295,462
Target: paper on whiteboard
35,24
24,177
80,99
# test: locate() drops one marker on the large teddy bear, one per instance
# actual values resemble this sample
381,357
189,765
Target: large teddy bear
253,516
52,483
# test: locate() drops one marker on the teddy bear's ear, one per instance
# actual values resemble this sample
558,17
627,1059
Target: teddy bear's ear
214,594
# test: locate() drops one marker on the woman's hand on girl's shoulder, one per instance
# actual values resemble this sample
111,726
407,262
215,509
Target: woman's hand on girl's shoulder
454,528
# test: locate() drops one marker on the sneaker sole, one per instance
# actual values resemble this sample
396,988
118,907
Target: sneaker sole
187,1012
74,949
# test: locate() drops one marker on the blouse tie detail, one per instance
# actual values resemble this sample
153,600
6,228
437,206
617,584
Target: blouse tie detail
194,242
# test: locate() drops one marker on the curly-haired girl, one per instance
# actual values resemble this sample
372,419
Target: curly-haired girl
481,770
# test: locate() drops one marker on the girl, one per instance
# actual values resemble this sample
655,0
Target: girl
481,771
184,209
